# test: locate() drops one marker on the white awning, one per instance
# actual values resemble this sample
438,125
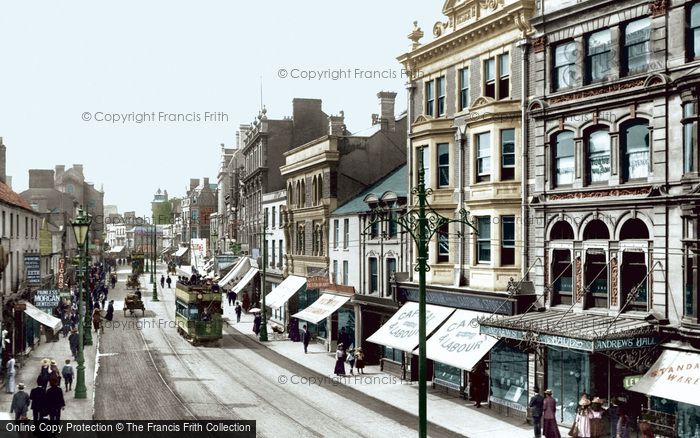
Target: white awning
286,290
401,331
42,317
181,251
238,269
246,279
458,342
674,376
322,308
117,249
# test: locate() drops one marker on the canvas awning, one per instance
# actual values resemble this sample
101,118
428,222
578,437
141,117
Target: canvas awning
181,251
458,342
286,290
322,308
42,317
238,269
674,376
116,249
252,272
167,251
401,331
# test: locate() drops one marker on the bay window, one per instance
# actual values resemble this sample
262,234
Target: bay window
483,156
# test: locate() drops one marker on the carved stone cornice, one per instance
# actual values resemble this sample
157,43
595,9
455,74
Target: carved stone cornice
635,191
611,88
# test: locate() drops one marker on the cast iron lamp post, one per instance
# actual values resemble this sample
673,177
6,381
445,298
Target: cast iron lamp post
263,310
81,227
153,271
422,224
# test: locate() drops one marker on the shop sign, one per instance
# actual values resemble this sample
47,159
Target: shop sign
317,282
500,332
561,341
508,404
45,242
461,301
61,272
626,343
47,299
32,269
630,381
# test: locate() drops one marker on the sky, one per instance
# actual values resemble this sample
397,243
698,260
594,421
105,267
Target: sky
76,77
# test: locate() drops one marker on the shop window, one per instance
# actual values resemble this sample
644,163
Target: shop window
483,240
507,240
561,231
483,156
507,154
596,230
447,375
564,66
634,229
635,150
373,275
690,135
633,280
490,78
564,158
694,32
598,163
509,375
430,98
392,354
562,277
463,88
443,159
598,56
568,375
596,278
443,243
503,76
637,46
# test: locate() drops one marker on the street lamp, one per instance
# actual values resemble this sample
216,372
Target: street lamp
421,224
263,311
81,227
153,271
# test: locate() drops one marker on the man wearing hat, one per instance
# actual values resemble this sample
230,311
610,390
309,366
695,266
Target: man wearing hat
73,341
536,407
20,403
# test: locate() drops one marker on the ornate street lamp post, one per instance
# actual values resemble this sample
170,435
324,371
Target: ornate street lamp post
263,310
81,227
421,224
153,271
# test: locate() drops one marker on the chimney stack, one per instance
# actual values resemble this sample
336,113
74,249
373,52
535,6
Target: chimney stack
336,124
79,168
3,162
194,182
206,182
387,103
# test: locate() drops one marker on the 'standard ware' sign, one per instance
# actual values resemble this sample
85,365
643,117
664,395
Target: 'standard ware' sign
674,376
401,331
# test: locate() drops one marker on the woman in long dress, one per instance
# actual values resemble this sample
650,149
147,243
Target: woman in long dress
10,382
583,418
549,416
340,360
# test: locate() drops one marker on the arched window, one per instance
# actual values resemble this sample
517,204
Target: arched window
319,186
596,229
598,163
303,193
314,191
563,152
561,231
635,150
634,229
290,194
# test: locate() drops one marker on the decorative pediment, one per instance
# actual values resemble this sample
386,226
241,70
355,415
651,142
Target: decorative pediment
656,79
482,101
422,118
535,105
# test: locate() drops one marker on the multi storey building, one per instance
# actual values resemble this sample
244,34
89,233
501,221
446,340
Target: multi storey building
199,202
612,184
227,200
465,97
323,174
273,205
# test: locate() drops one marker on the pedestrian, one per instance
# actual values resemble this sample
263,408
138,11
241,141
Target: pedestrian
549,406
20,403
351,361
344,338
360,360
10,373
110,311
55,373
96,319
597,427
256,324
246,301
73,342
162,281
340,361
54,401
169,281
306,338
623,423
582,423
67,373
37,396
238,310
536,406
231,295
612,413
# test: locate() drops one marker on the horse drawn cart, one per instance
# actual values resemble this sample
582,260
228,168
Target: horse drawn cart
133,302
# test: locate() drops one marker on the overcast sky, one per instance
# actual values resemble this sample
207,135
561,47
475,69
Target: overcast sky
61,62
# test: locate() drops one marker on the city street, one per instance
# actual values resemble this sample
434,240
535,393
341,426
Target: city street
147,371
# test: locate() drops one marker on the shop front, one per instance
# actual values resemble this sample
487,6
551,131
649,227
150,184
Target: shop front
571,354
284,299
331,313
371,313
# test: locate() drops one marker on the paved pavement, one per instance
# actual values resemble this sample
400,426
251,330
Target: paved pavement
147,371
444,409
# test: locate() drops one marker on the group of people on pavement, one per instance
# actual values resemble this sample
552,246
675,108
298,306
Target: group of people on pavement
590,417
46,399
164,280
